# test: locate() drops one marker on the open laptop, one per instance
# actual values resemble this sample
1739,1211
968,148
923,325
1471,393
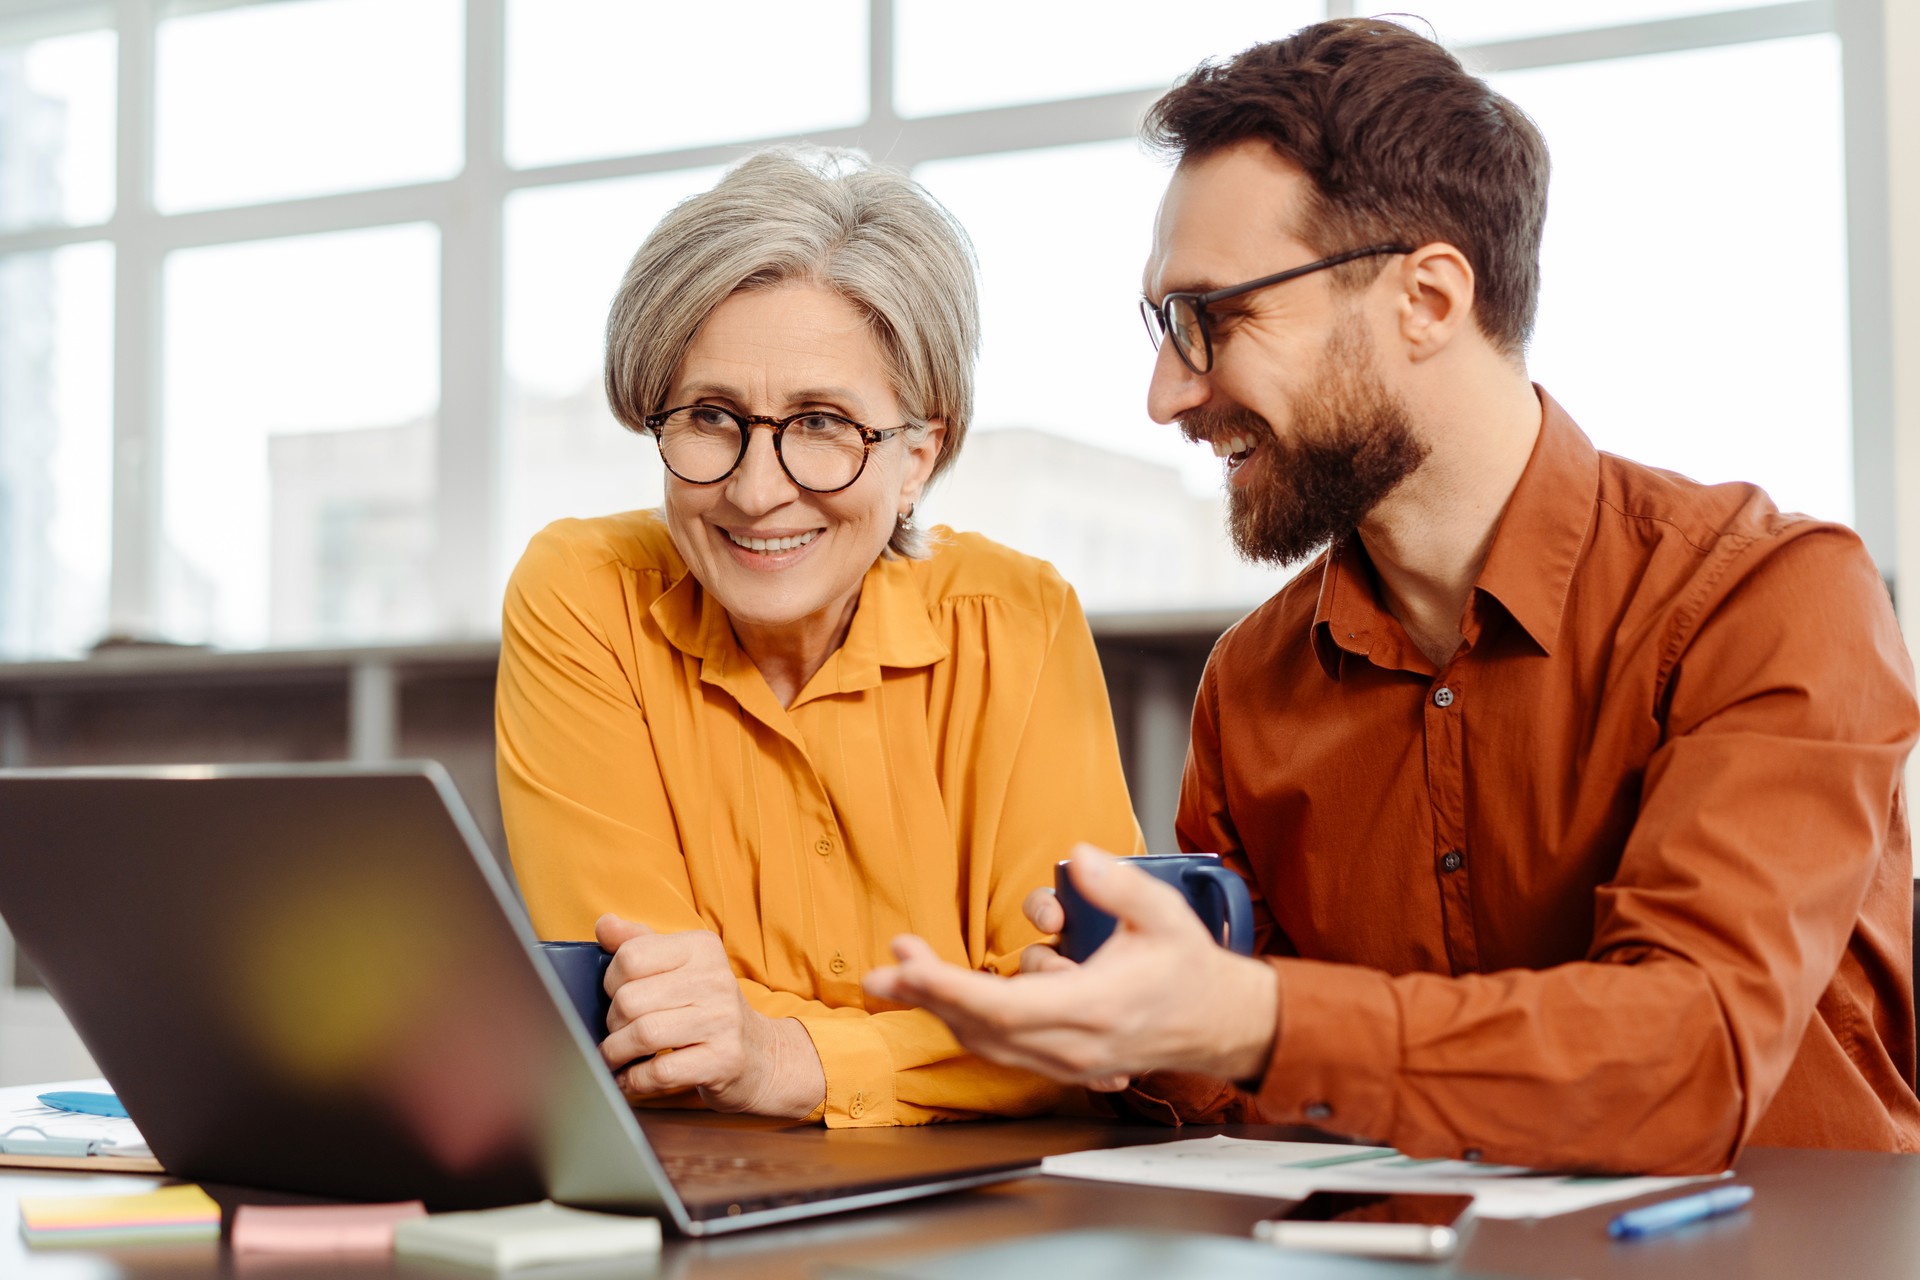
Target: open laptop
315,978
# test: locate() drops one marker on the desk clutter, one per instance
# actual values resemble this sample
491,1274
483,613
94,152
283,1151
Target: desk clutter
491,1239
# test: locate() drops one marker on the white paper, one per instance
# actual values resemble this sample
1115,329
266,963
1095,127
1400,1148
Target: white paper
1292,1170
19,1108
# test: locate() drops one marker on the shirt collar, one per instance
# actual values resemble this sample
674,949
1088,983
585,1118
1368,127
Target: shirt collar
1537,547
892,627
1345,617
1529,568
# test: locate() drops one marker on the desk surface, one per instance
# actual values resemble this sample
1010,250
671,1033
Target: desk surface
1815,1213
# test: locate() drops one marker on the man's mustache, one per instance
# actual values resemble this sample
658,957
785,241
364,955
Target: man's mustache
1203,425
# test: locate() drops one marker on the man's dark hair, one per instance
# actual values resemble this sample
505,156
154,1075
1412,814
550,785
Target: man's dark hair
1400,142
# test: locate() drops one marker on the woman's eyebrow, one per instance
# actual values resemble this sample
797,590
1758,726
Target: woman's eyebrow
843,396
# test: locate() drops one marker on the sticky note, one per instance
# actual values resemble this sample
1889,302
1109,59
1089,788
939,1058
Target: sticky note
320,1228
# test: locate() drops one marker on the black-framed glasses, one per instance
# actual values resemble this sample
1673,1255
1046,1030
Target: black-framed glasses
1183,316
820,452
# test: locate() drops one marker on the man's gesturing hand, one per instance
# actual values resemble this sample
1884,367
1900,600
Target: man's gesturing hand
675,997
1159,995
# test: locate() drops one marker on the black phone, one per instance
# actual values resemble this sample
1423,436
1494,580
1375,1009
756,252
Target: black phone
1386,1224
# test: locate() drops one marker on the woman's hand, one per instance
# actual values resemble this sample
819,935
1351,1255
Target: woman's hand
675,991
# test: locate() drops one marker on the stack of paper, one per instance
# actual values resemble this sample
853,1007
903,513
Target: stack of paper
33,1134
182,1212
1293,1170
525,1235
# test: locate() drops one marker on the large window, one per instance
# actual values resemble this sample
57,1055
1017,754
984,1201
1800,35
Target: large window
301,387
301,302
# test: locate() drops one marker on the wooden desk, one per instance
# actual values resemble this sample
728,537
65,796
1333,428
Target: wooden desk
1816,1214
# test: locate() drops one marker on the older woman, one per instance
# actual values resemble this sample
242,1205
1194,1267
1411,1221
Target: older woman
748,739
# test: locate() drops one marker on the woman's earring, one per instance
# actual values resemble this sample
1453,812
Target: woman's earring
906,517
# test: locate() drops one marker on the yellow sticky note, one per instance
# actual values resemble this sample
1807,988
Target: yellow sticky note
169,1206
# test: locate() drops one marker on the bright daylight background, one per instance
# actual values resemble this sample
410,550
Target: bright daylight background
313,210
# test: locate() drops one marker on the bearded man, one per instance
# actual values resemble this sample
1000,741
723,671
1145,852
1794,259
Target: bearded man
1569,789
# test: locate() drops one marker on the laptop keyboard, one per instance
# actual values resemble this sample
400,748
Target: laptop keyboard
697,1169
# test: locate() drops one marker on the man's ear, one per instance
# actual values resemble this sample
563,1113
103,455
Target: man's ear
1435,302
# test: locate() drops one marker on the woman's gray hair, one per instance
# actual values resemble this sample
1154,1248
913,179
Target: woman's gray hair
829,217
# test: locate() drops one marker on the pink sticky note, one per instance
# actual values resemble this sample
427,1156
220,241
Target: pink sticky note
319,1228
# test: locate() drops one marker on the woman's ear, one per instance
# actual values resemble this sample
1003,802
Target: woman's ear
922,454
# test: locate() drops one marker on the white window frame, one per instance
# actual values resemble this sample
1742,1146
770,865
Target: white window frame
467,211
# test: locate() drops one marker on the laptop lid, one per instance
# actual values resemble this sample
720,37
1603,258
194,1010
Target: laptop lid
316,978
312,978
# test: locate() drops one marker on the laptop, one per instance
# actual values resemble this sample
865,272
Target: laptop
317,979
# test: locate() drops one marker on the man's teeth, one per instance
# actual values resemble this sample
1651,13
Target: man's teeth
1226,448
774,544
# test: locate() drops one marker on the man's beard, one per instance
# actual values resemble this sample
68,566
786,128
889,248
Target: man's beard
1352,444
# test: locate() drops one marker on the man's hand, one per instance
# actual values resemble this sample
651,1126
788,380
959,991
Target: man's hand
1159,995
675,991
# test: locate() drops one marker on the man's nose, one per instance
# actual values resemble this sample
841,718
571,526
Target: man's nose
759,483
1175,389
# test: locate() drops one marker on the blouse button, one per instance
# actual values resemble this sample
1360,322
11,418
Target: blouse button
838,964
823,846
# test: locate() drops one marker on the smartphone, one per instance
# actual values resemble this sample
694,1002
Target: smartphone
1384,1224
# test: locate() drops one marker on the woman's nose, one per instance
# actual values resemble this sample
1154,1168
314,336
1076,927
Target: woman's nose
759,483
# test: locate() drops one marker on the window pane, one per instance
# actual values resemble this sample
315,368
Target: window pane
56,129
1694,303
299,438
562,452
962,57
588,78
56,443
1063,461
1471,21
304,98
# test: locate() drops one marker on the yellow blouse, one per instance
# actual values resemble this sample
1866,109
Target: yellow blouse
924,781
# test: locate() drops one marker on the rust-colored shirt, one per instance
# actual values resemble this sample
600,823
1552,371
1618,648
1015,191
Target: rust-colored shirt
1625,884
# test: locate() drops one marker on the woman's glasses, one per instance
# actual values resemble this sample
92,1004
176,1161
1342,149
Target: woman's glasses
820,452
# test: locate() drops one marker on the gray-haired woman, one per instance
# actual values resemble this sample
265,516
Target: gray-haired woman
747,740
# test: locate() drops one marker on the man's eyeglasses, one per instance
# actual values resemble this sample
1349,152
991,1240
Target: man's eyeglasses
1183,316
820,452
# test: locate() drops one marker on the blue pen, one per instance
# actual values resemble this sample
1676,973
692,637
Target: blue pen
1657,1219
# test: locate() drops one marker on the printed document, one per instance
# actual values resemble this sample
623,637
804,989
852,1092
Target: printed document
1292,1170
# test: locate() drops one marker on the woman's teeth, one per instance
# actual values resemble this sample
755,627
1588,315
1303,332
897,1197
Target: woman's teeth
774,544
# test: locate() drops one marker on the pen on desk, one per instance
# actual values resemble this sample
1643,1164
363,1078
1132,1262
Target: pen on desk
1656,1219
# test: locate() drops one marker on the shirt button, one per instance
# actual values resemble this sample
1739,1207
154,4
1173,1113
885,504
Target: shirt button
858,1106
1472,1154
823,846
1319,1111
1443,697
1451,860
838,963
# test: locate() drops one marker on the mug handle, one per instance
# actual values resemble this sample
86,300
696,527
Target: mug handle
1237,904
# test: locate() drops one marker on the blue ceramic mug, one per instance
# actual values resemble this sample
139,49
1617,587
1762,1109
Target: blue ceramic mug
582,969
1216,894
